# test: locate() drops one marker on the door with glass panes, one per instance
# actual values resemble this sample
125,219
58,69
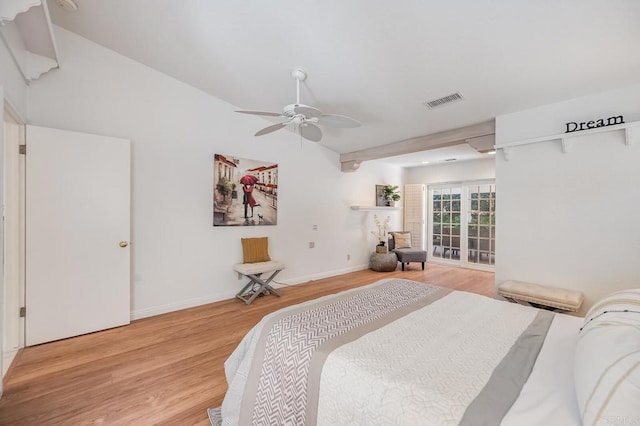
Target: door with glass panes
462,228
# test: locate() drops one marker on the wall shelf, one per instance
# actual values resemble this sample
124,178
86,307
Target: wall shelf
29,36
565,137
373,208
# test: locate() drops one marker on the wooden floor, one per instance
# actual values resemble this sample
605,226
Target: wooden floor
166,369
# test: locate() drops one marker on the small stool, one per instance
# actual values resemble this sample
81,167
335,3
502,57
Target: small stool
253,271
383,262
541,296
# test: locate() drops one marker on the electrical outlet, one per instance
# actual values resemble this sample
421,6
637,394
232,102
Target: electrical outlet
312,245
314,227
348,257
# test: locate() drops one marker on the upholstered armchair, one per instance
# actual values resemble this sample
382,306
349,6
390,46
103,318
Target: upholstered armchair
400,244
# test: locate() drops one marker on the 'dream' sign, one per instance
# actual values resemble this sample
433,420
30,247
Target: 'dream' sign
572,126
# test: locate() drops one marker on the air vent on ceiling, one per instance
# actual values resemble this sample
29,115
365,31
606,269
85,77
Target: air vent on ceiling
455,97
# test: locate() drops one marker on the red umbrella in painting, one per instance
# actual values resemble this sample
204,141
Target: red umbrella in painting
248,180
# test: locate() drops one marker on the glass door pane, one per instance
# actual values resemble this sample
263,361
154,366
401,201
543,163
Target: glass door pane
445,222
481,227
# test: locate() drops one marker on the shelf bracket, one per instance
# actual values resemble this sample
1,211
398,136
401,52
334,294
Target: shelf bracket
565,145
627,136
505,153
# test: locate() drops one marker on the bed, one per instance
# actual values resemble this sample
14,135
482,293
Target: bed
407,353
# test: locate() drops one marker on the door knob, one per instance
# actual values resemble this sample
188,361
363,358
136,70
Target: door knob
123,244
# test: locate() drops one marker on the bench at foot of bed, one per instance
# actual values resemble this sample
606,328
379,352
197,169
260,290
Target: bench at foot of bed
541,296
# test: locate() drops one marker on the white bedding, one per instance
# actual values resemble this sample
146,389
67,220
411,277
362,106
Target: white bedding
418,370
547,397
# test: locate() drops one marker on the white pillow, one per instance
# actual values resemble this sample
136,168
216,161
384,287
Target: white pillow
607,361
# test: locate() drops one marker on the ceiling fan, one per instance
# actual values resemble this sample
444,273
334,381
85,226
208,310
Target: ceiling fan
304,117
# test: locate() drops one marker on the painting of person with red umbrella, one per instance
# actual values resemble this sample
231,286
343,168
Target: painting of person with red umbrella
248,182
245,192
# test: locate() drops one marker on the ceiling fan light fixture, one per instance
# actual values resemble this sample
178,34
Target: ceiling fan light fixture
304,117
68,5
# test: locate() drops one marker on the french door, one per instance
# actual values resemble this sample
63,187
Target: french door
462,228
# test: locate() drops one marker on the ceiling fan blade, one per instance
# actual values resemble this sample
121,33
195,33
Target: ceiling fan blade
270,114
311,132
271,128
338,121
307,111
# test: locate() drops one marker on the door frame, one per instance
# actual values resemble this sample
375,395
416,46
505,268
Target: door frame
464,231
13,326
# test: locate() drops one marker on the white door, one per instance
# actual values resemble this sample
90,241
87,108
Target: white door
77,233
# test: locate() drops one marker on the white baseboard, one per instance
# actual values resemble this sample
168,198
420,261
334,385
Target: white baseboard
176,306
307,278
7,359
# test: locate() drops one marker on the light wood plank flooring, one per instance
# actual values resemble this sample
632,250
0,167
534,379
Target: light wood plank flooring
166,369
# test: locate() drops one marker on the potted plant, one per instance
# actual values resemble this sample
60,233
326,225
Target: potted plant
381,233
391,194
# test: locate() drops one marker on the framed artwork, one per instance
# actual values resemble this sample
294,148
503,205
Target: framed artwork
380,201
245,192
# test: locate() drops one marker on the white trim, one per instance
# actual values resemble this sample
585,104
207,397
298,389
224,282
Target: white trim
177,306
191,303
13,297
307,278
7,359
458,264
373,208
9,106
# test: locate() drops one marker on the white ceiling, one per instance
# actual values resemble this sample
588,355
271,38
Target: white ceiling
377,60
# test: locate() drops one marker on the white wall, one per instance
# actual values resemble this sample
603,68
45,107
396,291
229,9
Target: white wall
15,89
179,258
456,171
570,220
